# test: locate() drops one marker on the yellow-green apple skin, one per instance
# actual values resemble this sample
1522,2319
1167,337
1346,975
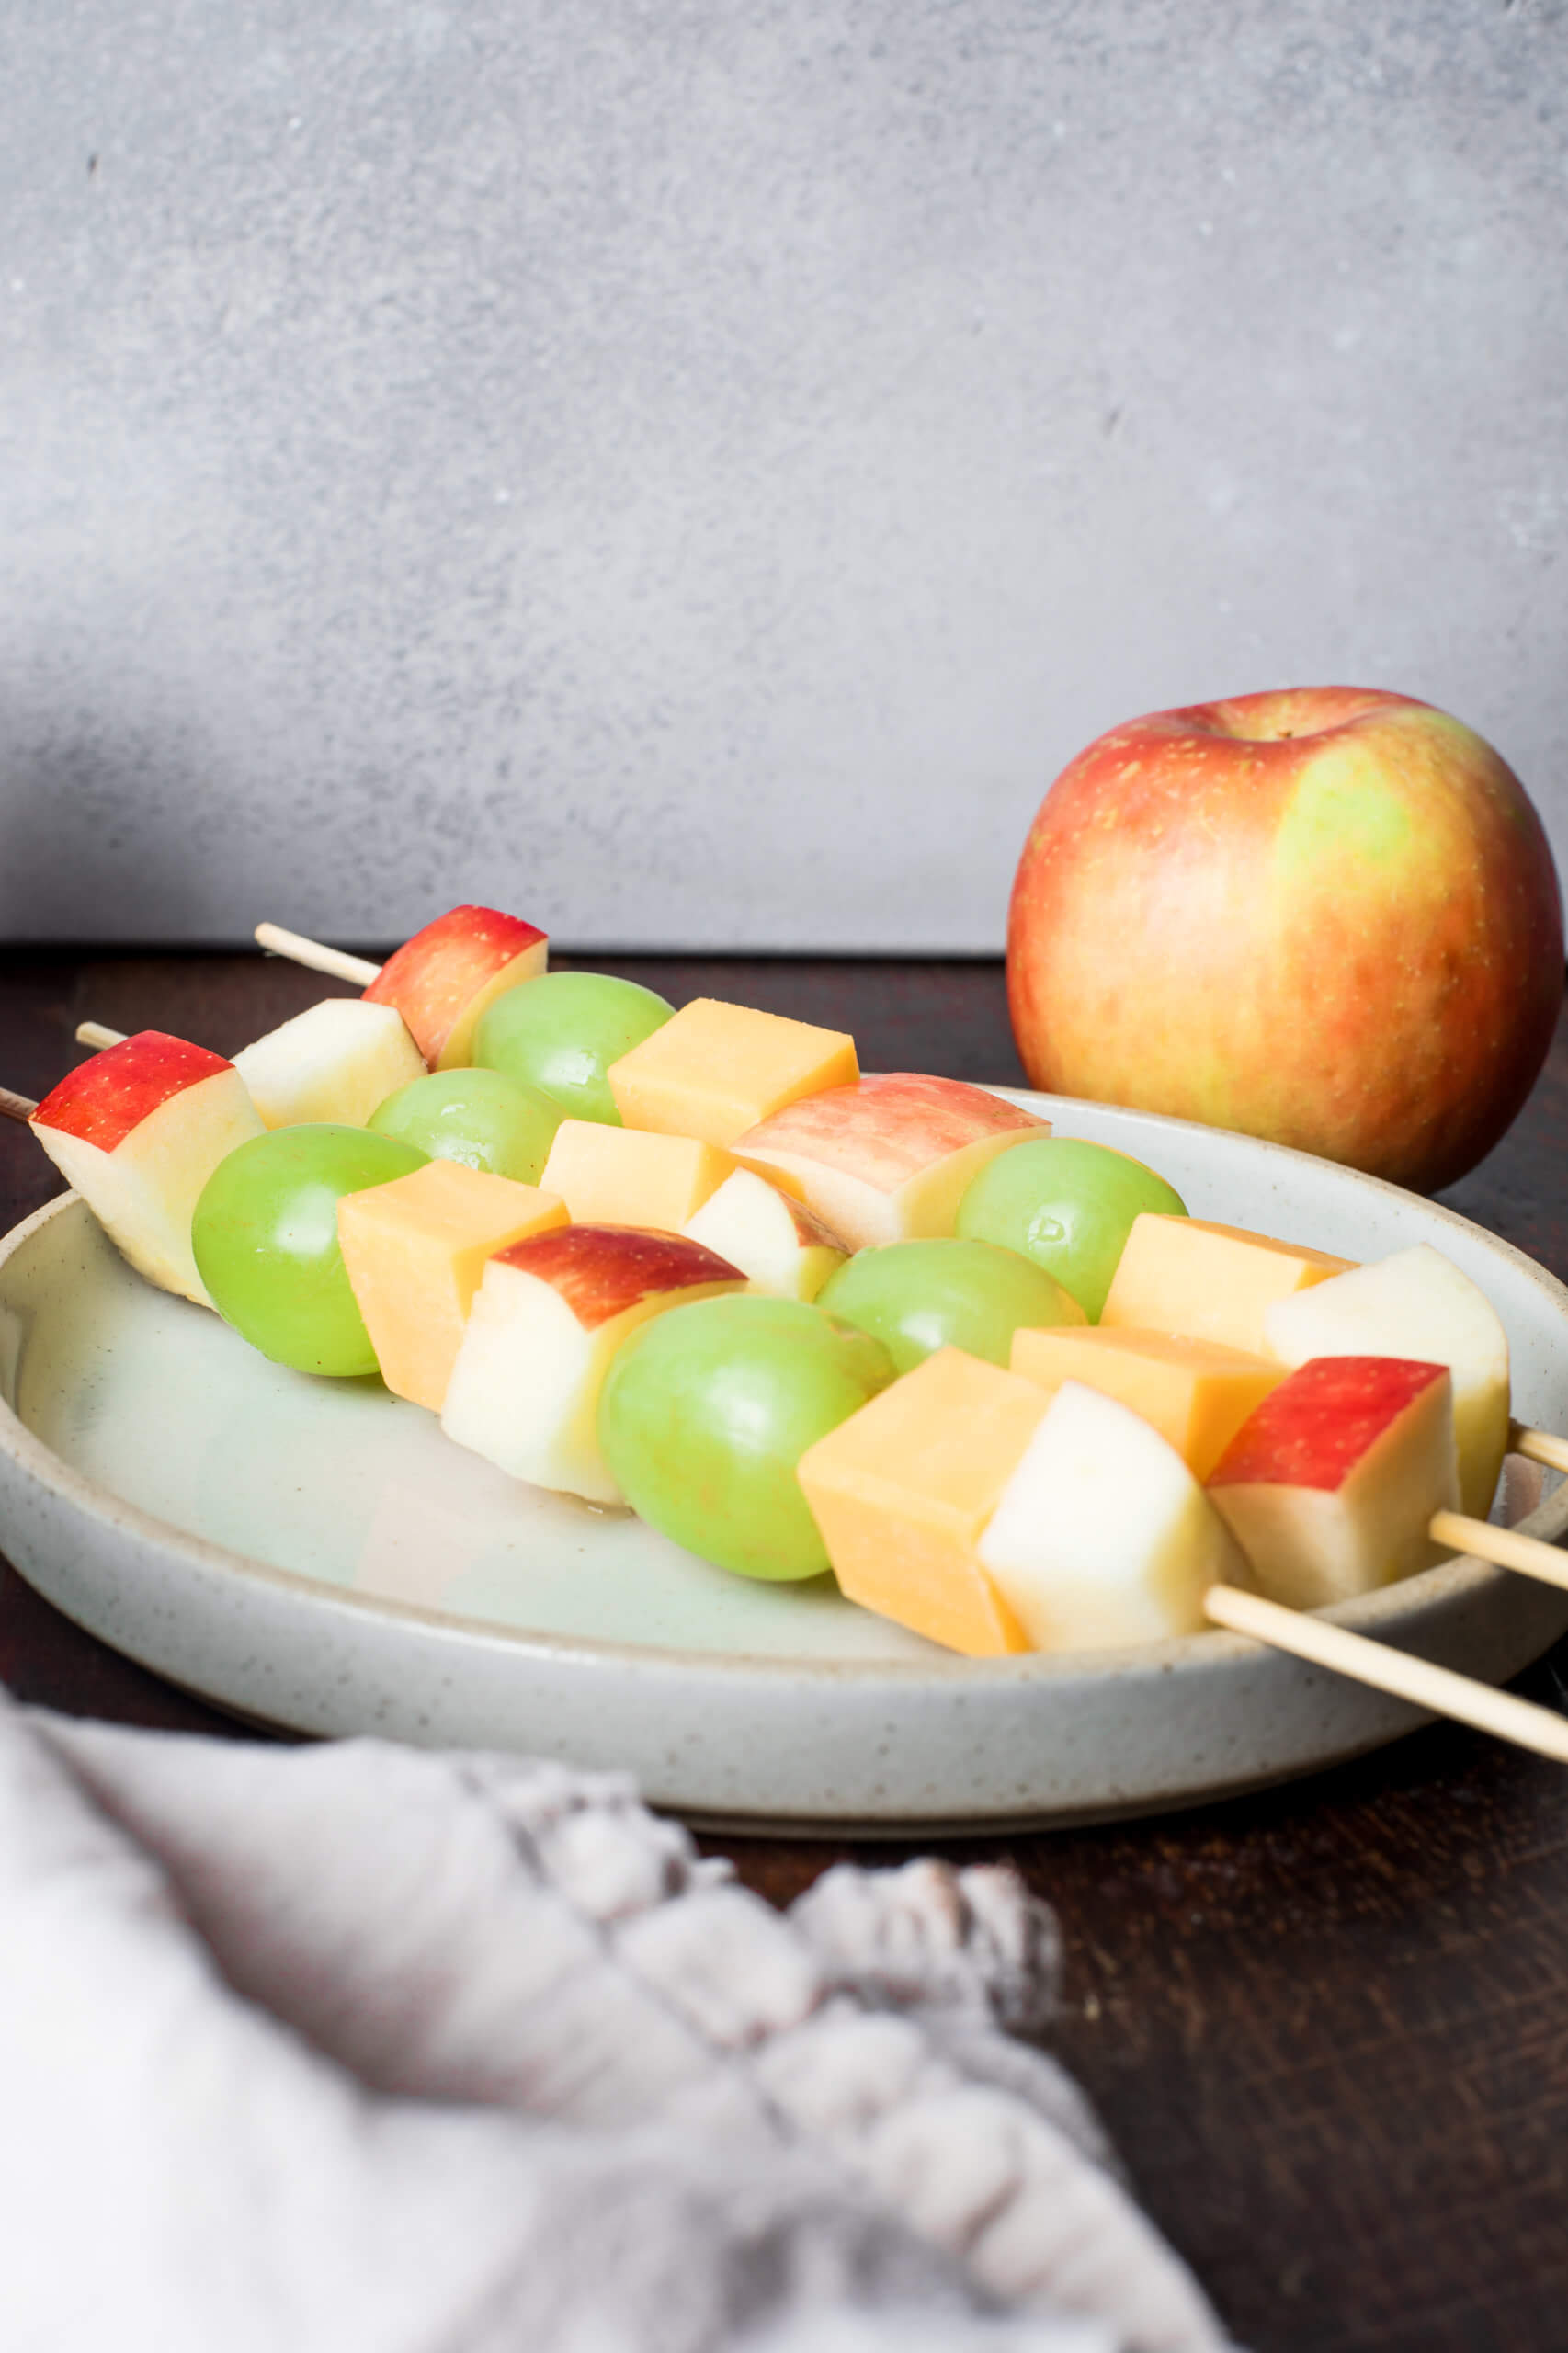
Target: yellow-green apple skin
1328,917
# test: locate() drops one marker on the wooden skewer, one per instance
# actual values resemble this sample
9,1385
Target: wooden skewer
1437,1689
16,1107
93,1033
319,959
1538,1445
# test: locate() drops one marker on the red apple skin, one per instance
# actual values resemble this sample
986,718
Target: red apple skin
601,1270
886,1128
102,1101
1327,916
1316,1426
434,976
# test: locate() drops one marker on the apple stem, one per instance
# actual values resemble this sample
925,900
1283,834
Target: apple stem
15,1106
316,957
1438,1690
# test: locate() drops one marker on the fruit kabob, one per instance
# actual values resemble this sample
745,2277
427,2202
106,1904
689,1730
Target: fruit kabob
900,1161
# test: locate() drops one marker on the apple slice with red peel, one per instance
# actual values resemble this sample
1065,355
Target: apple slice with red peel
335,1062
546,1322
783,1247
1417,1303
1102,1536
1330,1487
442,979
890,1158
137,1131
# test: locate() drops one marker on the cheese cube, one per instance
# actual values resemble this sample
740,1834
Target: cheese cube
624,1176
335,1062
1197,1393
1212,1282
903,1490
414,1251
716,1069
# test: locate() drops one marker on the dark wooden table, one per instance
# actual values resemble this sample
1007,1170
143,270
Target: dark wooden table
1328,2027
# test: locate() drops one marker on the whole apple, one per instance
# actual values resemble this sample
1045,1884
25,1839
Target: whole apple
1328,917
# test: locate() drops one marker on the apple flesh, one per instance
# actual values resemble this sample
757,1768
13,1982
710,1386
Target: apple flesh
890,1158
1330,1486
137,1131
444,978
781,1246
1102,1535
1329,917
332,1063
1417,1303
546,1322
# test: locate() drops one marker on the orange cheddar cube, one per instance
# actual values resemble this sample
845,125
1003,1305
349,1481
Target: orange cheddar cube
626,1176
1197,1393
414,1251
716,1069
903,1489
1209,1282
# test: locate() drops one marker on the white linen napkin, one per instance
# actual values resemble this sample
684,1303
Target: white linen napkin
355,2049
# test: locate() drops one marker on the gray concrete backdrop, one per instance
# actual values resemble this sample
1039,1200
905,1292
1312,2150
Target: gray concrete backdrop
694,474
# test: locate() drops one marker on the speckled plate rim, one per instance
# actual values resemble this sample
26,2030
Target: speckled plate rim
1403,1613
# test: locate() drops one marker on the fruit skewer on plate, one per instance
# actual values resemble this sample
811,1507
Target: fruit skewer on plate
1163,1505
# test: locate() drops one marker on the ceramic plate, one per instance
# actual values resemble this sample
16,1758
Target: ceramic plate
314,1554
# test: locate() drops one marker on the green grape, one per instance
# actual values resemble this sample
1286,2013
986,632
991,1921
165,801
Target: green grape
478,1116
917,1297
265,1235
706,1411
560,1033
1069,1207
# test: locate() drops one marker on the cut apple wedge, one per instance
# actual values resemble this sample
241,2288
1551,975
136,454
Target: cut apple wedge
335,1062
547,1318
442,979
890,1158
414,1251
137,1131
782,1247
1330,1486
1418,1304
1208,1282
1102,1536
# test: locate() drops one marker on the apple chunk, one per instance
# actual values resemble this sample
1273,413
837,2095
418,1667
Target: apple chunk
1417,1303
1330,1486
1102,1536
890,1158
137,1131
782,1246
547,1318
335,1062
445,977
